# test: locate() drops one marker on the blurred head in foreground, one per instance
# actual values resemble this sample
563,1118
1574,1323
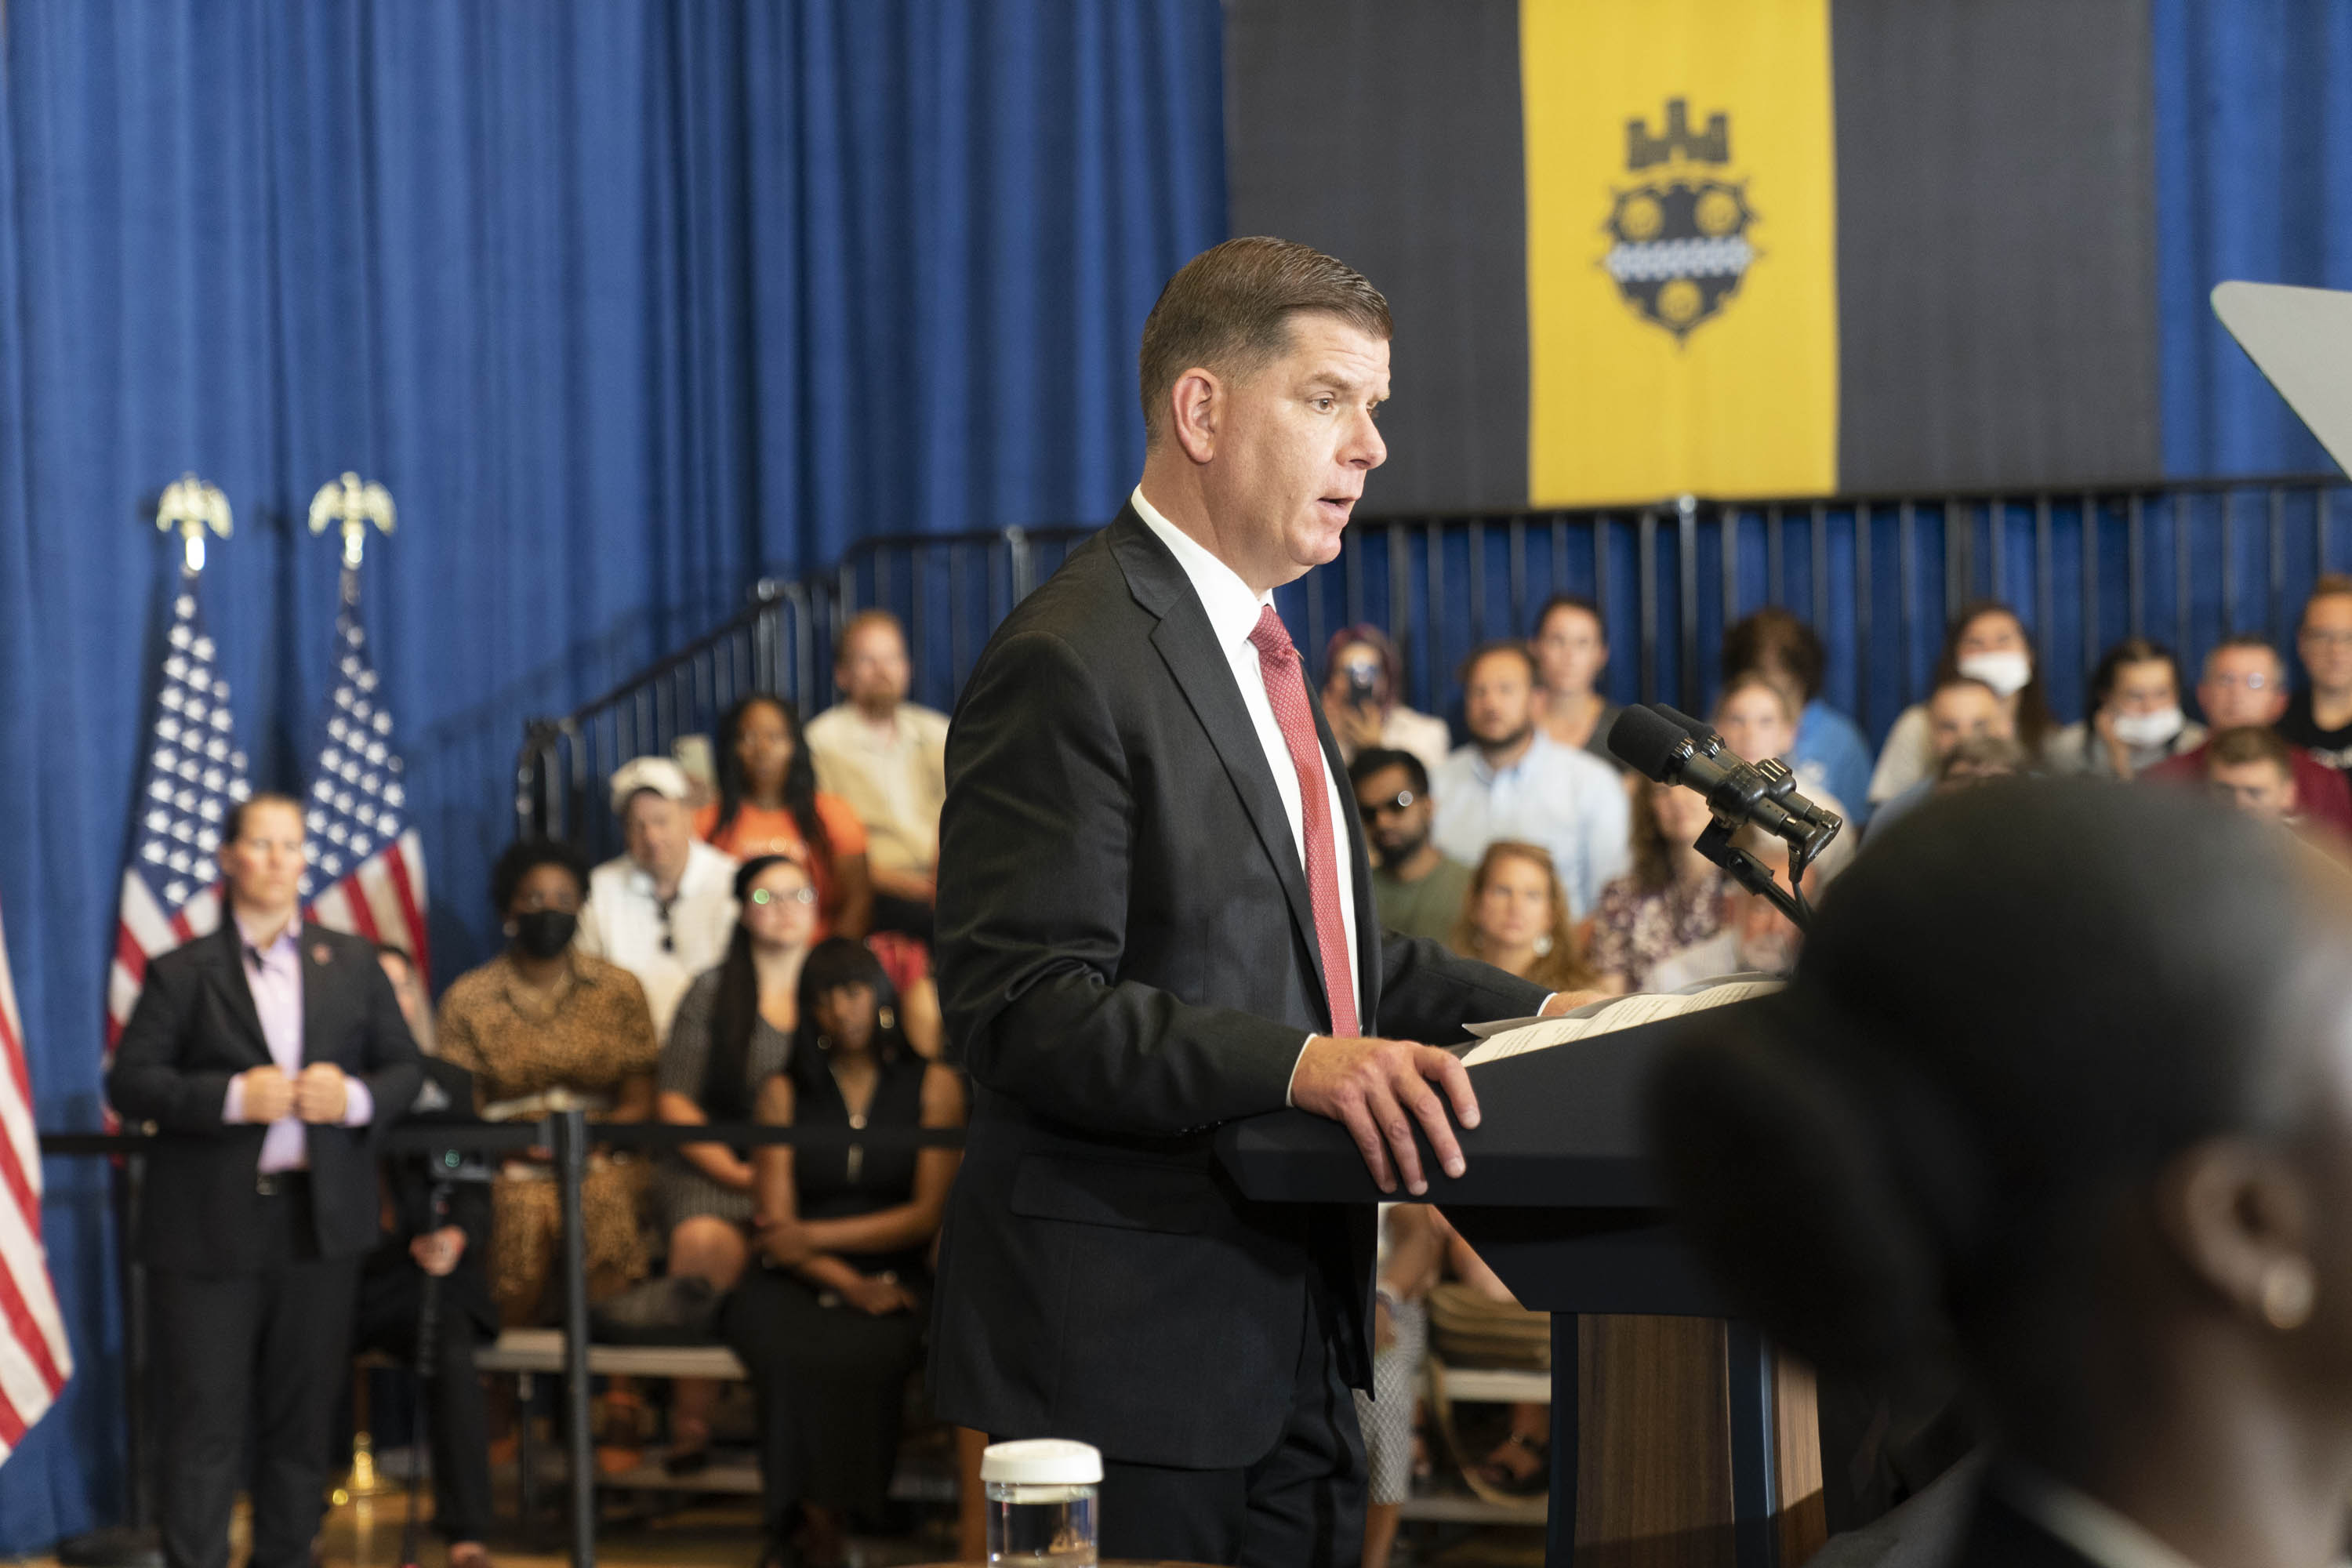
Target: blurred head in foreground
2061,1095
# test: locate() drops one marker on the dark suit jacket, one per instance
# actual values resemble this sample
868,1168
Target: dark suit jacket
1126,955
409,1180
194,1029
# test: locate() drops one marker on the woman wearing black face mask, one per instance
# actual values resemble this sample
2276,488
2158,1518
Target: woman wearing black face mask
542,1017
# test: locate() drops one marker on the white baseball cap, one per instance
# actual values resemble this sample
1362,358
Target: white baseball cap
659,775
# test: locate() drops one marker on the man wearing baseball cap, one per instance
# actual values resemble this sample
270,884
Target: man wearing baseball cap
663,911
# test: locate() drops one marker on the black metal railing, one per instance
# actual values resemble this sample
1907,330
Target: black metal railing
2183,561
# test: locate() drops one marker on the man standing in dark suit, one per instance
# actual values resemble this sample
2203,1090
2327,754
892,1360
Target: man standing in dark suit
266,1054
1155,915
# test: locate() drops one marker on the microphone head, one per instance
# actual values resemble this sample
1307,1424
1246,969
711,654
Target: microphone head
1698,729
1648,742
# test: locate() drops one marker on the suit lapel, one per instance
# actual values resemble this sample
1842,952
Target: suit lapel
1189,648
227,971
320,996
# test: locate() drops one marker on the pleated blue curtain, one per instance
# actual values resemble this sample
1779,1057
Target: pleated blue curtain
627,302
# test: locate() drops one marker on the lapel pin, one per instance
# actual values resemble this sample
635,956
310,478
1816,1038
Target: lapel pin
320,954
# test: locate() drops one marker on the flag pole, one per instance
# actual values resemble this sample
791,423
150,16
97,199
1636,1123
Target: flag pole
190,507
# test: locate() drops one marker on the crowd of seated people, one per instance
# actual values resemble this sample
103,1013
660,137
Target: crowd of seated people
761,958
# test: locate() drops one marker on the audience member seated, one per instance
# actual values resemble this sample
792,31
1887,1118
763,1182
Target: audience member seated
734,1032
1986,642
2319,718
1828,753
1411,1254
1672,899
539,1019
1515,918
442,1232
1962,708
1979,758
1513,782
2128,1224
1757,718
887,758
830,1324
2252,769
2245,683
662,910
1418,890
2136,719
1571,647
1363,700
1756,938
768,804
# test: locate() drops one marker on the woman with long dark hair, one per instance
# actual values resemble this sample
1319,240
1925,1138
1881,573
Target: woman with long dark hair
733,1032
768,804
2060,1100
1985,642
831,1322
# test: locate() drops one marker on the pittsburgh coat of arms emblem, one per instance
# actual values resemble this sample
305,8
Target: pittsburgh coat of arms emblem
1679,238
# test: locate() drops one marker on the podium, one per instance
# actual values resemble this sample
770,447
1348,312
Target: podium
1679,1462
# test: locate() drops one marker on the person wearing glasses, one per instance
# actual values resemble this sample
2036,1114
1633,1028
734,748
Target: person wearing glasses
1417,891
665,910
2245,685
733,1032
2320,717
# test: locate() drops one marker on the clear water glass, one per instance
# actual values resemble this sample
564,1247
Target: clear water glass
1051,1526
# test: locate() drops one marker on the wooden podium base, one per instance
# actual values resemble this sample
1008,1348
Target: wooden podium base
1680,1443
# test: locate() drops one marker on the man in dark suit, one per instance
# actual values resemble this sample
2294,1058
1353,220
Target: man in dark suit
267,1055
1154,915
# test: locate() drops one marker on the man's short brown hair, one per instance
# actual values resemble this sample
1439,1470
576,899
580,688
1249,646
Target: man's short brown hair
858,623
1228,310
233,825
2250,743
2331,585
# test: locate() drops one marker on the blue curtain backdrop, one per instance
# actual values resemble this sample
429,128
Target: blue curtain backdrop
627,302
2253,125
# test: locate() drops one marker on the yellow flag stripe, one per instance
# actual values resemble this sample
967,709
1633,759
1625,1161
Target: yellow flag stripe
1682,288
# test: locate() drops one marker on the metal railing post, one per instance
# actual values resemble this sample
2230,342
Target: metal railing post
568,1128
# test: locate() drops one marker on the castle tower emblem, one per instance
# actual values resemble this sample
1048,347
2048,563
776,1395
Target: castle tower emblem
1679,238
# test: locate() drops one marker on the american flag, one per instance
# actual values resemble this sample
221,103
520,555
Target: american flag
194,774
34,1360
362,851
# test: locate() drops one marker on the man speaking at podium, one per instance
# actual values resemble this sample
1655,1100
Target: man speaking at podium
1155,915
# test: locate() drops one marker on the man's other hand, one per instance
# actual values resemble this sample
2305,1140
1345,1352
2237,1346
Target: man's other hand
268,1094
321,1093
1378,1089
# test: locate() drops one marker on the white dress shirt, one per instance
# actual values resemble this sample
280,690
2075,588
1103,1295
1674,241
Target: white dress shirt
1561,797
1234,610
664,948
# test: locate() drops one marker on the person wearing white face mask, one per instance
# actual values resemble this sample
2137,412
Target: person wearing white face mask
1986,642
2135,720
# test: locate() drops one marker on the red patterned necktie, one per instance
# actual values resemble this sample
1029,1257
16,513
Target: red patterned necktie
1285,688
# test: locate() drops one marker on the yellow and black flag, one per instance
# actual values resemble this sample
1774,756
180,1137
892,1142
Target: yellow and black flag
1738,247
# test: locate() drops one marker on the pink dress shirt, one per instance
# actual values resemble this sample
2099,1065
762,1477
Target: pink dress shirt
274,975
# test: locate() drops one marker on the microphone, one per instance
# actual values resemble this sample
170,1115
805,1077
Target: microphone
1674,748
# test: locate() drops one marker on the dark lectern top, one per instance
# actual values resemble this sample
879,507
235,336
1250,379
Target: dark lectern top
1559,1197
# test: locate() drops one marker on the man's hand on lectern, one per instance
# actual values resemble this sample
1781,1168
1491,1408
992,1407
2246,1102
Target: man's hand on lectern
1378,1089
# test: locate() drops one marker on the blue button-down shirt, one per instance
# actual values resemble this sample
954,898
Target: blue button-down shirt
1564,799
